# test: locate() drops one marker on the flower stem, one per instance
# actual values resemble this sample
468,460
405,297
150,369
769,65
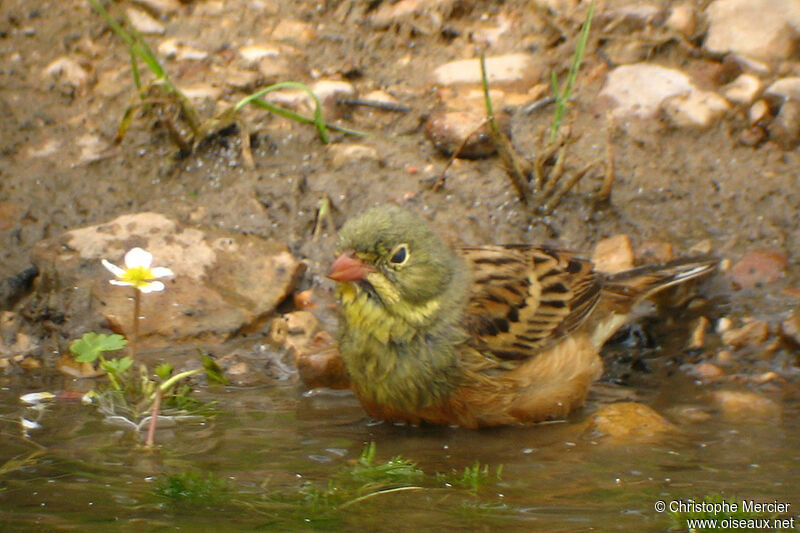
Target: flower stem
151,431
137,304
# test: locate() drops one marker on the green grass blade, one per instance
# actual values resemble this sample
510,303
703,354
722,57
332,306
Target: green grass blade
563,97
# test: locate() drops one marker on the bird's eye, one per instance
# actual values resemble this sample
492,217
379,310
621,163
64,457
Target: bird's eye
399,254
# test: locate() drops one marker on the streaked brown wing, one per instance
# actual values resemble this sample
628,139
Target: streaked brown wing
525,297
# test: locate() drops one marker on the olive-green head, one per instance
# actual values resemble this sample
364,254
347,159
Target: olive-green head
397,254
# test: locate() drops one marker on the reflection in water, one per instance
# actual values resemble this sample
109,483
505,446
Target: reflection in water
274,446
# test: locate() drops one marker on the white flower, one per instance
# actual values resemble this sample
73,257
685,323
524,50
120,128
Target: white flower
137,272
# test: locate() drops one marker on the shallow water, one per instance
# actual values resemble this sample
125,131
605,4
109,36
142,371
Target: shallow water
77,472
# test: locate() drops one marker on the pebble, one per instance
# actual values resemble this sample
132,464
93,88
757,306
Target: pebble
68,70
448,130
762,29
706,371
785,127
790,328
343,155
328,91
784,89
698,337
629,421
613,254
744,89
758,267
499,70
654,252
759,112
176,49
256,52
698,109
294,30
143,22
751,334
159,7
745,406
682,19
639,90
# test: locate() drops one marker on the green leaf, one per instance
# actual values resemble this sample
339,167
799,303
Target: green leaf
117,366
163,371
213,371
91,345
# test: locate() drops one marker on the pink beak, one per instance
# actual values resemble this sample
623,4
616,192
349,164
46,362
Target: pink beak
348,267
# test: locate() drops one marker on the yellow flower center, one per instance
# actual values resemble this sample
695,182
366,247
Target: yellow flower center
138,276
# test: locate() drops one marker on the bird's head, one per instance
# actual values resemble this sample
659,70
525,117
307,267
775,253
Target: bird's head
391,253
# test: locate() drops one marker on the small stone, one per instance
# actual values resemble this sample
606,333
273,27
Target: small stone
629,421
202,91
143,22
613,254
783,90
745,406
785,128
706,371
654,252
322,366
328,91
758,112
304,300
159,7
758,28
449,130
257,52
758,267
724,324
752,136
691,414
682,19
294,30
766,377
743,90
724,357
697,109
751,334
67,70
639,90
343,155
790,328
499,70
703,247
698,338
181,51
30,363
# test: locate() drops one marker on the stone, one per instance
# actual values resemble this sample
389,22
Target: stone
706,371
654,252
68,70
639,90
698,337
343,155
790,328
682,19
785,127
745,406
176,49
758,112
143,22
697,109
758,267
294,30
763,29
751,334
613,254
629,421
159,7
510,68
783,89
256,52
224,283
321,365
449,130
743,90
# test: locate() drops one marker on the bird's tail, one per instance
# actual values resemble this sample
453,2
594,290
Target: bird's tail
643,282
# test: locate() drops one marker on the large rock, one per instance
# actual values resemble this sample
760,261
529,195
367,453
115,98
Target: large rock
762,29
224,283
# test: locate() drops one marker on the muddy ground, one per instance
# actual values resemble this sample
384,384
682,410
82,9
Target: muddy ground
60,169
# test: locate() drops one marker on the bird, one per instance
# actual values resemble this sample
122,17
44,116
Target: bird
476,336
